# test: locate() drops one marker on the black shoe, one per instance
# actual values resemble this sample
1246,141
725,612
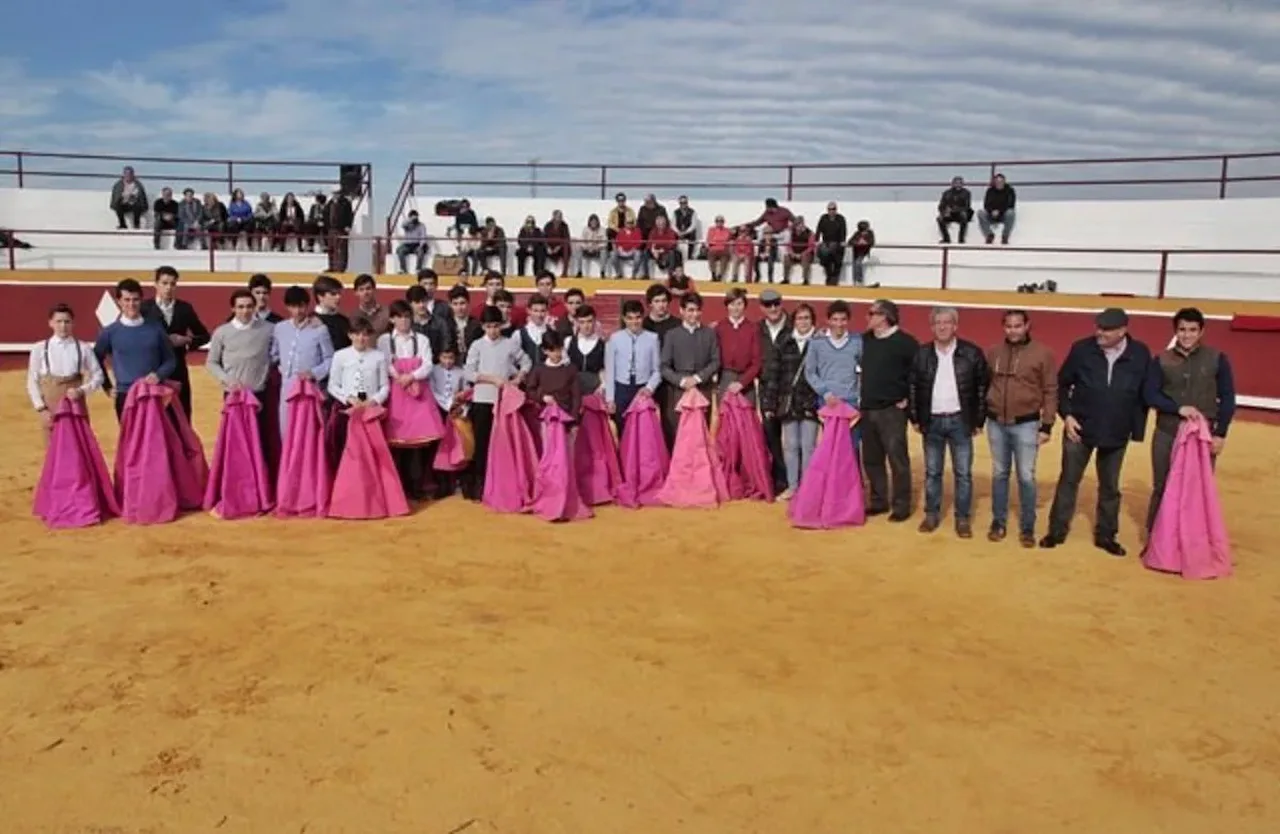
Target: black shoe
1051,541
877,511
1110,546
899,517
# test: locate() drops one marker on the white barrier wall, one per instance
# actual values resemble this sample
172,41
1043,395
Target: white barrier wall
1178,226
58,209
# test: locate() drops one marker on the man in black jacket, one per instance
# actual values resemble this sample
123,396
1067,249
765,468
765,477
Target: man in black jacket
887,355
955,206
775,327
999,206
948,394
1102,406
179,320
832,232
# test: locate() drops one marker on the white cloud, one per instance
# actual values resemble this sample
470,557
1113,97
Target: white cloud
697,81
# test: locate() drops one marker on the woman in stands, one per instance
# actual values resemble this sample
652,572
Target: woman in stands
239,218
292,223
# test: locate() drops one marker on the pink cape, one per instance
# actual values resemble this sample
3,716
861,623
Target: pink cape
696,478
644,455
160,465
740,442
595,454
413,417
239,485
450,454
75,486
303,482
367,485
830,492
513,459
555,493
1189,536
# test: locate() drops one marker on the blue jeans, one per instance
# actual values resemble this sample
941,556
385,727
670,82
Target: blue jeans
1006,222
948,433
799,439
1014,445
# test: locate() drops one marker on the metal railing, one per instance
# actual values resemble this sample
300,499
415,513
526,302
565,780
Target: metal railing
29,168
938,258
1215,173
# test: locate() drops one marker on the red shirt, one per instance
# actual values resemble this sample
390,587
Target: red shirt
629,239
663,240
718,239
744,246
555,308
518,316
740,349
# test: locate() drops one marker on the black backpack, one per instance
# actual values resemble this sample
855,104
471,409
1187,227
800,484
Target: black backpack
449,208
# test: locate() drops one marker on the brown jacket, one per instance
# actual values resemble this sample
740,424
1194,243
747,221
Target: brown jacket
1024,384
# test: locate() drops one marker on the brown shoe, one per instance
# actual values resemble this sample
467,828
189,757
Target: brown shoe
1027,540
929,524
996,533
964,529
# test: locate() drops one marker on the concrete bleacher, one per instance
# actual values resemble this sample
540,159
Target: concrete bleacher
56,210
1183,228
1189,231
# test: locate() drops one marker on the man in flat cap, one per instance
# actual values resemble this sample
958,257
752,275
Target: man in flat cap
1100,398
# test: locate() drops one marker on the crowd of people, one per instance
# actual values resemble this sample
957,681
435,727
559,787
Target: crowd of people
456,389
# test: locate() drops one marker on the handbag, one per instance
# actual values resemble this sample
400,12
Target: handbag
784,404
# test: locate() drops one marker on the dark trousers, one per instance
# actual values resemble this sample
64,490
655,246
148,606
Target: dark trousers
487,252
482,424
182,376
1075,460
413,465
773,440
960,218
121,396
666,397
132,212
539,256
884,437
162,225
338,245
831,256
623,395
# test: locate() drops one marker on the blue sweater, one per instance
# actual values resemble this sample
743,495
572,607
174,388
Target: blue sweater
832,370
135,352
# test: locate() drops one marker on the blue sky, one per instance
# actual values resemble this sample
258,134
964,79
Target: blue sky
647,81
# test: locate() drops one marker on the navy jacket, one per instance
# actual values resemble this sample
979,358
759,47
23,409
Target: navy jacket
1110,413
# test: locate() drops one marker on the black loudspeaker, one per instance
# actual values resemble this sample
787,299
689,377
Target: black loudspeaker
351,179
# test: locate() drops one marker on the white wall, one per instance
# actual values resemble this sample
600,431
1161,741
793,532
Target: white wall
80,210
1175,225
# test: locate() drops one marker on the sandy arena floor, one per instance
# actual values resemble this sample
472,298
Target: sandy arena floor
645,672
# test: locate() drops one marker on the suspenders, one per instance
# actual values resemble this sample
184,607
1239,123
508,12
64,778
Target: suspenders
48,369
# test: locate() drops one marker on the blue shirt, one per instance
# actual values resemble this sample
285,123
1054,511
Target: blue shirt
136,350
294,349
834,370
631,360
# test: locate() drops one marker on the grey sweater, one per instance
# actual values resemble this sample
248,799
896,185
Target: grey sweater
503,358
241,355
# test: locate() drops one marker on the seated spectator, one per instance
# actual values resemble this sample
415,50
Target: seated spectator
464,221
955,206
831,233
619,215
718,239
679,285
627,246
861,243
648,214
128,199
292,223
766,253
531,244
800,251
469,252
164,216
662,247
686,225
239,218
190,220
264,224
558,237
776,218
743,253
591,249
414,242
213,221
493,244
998,208
318,224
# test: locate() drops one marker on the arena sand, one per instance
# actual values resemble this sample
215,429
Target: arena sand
644,672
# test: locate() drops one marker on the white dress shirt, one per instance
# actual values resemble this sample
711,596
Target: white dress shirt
406,346
354,371
60,360
946,395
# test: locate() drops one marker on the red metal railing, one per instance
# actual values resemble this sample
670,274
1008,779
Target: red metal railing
940,258
28,166
818,180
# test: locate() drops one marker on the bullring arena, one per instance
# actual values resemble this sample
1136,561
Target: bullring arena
653,670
